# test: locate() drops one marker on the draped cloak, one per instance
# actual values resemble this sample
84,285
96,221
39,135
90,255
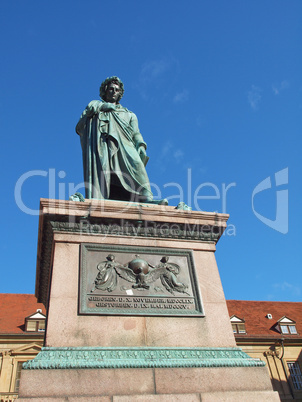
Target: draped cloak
110,140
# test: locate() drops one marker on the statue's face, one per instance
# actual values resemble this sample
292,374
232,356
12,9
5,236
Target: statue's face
113,93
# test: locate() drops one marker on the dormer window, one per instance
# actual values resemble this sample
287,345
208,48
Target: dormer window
238,325
288,329
287,326
35,322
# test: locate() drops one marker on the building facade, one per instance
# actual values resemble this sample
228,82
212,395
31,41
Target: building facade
22,327
272,332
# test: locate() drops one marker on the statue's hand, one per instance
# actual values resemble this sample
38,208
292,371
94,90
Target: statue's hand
90,111
142,152
107,107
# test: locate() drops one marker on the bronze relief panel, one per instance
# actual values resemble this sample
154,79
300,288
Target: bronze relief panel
116,280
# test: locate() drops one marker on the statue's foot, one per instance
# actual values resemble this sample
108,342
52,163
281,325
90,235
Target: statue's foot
77,197
164,201
183,207
147,199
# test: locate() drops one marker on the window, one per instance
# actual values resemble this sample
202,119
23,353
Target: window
18,375
35,325
35,322
238,325
295,374
239,328
41,326
288,329
286,326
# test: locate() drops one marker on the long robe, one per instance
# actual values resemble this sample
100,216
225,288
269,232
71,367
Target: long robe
110,140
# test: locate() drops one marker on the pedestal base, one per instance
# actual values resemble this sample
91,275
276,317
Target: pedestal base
149,374
100,346
157,384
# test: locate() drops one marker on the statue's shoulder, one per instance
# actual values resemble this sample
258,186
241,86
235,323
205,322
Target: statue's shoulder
95,103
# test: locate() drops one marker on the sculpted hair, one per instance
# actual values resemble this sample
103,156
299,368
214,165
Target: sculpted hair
107,82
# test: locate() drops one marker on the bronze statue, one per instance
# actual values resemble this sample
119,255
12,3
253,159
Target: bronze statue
114,152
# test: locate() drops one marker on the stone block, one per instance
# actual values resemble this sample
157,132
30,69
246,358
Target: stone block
158,398
74,383
67,328
219,379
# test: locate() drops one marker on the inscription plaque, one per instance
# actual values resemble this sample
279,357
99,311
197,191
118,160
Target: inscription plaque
117,280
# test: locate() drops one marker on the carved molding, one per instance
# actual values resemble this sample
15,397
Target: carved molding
163,230
6,353
139,357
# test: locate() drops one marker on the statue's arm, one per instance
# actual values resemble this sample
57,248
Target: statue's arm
138,140
92,109
137,137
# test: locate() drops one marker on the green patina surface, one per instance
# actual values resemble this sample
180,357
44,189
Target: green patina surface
114,151
139,357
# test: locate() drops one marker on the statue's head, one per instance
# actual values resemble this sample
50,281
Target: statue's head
110,257
105,85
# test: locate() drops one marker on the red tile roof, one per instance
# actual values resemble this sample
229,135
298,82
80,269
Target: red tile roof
257,324
13,310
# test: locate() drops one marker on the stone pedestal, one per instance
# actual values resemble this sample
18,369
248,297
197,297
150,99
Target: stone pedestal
168,338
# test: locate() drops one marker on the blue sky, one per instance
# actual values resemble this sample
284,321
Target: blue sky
217,89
